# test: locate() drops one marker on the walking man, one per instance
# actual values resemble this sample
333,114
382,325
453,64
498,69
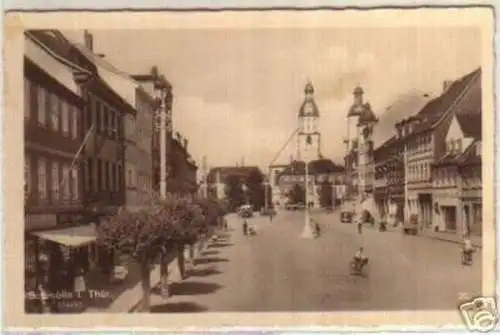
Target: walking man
245,227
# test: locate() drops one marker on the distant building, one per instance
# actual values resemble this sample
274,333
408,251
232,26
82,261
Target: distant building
320,171
217,177
359,158
278,198
182,167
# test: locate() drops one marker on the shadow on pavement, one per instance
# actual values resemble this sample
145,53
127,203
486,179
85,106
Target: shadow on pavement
204,272
210,260
220,245
178,307
210,253
193,288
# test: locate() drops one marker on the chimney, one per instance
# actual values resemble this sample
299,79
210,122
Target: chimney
446,85
88,40
186,143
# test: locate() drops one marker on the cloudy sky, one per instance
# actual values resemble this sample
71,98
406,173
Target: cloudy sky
237,92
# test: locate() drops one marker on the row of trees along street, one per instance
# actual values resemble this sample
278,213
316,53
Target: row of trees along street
165,227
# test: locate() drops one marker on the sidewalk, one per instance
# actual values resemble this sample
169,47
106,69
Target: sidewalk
130,298
451,237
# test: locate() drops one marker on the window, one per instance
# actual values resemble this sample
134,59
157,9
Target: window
65,117
102,120
55,182
89,173
458,145
42,105
107,181
97,115
99,174
73,112
27,98
119,177
65,182
75,191
54,111
27,176
42,178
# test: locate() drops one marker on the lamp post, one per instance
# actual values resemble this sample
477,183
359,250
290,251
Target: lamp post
163,139
307,231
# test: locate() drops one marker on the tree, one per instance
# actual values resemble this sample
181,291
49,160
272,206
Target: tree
256,188
234,191
297,194
325,194
140,235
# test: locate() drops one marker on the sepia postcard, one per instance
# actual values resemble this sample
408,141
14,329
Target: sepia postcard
203,169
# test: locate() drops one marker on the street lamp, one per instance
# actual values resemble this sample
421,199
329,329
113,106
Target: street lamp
307,231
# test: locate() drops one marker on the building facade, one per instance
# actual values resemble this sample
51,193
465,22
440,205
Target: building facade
424,137
320,172
359,157
457,173
278,198
183,169
53,180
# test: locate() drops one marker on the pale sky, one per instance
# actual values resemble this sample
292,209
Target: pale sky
237,92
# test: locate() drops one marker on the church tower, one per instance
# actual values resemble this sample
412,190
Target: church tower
309,137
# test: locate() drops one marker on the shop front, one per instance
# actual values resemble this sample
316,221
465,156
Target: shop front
54,252
446,213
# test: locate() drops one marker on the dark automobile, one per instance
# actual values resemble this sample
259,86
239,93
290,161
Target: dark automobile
346,217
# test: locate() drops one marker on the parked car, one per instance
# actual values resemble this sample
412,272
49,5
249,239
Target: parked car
346,216
411,226
245,211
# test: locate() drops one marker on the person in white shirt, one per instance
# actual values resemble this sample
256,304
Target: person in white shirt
467,247
360,257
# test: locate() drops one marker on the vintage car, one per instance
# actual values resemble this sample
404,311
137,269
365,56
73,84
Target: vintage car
346,216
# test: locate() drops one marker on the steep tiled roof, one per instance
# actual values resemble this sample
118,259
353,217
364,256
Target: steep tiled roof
435,109
468,156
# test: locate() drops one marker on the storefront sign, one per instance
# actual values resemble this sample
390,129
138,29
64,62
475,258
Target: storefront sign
39,221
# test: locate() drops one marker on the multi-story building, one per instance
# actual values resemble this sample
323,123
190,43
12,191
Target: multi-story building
183,169
424,142
278,199
160,89
103,122
320,171
456,175
52,132
359,158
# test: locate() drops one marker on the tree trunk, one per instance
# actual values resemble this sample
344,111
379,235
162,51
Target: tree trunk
165,289
146,286
181,261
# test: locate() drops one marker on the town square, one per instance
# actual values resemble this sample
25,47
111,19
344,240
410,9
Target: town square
277,171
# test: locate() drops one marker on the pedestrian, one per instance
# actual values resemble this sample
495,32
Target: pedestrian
44,300
79,284
317,228
226,225
245,227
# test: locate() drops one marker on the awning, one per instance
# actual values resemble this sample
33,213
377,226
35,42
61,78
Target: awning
71,237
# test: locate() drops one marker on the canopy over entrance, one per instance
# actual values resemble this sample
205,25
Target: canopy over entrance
71,237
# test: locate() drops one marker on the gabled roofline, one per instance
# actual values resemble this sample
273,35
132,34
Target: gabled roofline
56,56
